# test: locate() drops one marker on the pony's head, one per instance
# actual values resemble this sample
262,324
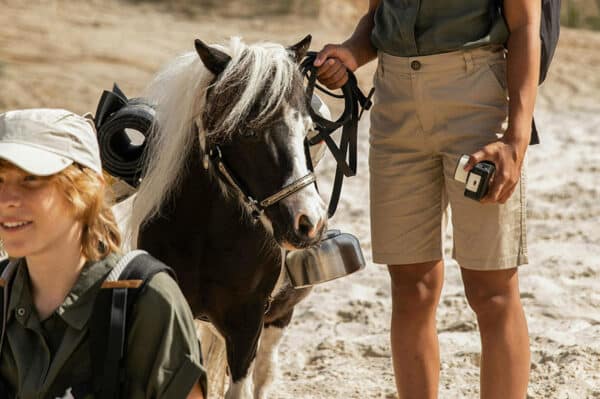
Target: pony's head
247,105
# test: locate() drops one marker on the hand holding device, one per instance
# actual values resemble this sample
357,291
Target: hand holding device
477,180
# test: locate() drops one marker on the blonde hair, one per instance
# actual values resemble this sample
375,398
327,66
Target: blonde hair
86,192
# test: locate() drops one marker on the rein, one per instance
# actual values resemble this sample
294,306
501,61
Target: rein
346,153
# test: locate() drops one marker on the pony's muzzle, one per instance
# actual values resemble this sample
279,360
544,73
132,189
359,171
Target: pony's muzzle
307,228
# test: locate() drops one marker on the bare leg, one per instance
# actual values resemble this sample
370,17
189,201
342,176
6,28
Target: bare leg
505,357
415,351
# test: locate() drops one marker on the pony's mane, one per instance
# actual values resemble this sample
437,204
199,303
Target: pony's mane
179,93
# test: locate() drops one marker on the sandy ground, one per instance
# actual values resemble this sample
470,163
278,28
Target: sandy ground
64,53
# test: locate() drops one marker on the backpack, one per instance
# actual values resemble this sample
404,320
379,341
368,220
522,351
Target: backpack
108,325
549,33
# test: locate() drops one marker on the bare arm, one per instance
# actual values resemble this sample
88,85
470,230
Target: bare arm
356,51
196,392
359,43
523,65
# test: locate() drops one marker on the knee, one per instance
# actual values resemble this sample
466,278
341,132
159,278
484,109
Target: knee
493,295
492,306
415,291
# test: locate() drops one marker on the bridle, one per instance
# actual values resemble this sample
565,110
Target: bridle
354,100
257,207
116,112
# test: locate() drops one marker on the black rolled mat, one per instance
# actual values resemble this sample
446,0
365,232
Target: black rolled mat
123,126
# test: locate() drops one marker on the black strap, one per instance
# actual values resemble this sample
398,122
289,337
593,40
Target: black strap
6,287
109,328
346,154
116,344
4,392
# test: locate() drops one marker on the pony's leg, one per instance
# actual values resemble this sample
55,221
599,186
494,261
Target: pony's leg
266,363
215,358
241,389
241,326
277,319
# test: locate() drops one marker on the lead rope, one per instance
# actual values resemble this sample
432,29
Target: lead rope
346,153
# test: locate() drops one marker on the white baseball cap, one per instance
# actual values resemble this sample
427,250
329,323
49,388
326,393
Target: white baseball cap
45,141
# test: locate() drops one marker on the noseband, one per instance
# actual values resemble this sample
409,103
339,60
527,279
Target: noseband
257,207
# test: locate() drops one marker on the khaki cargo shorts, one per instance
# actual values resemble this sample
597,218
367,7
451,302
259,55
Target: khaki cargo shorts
429,111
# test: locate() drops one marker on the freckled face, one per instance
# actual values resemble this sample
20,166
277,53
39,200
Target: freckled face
34,216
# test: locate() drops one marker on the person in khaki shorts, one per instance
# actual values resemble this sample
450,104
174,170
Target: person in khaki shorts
442,83
63,241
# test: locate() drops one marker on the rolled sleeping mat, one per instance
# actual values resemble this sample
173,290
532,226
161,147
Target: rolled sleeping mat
123,126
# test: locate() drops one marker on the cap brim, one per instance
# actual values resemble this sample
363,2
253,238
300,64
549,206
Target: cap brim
33,160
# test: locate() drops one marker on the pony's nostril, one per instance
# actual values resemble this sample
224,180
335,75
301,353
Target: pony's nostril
305,227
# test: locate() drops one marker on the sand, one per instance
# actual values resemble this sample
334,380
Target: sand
64,53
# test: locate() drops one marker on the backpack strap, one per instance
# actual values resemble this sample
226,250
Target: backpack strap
7,271
111,318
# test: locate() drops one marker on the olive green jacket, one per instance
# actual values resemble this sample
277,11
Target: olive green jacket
49,358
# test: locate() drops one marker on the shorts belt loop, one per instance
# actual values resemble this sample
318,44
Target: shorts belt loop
469,66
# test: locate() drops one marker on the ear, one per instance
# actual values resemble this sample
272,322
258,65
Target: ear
300,49
214,60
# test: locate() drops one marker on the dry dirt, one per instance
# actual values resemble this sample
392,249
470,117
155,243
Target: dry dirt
64,53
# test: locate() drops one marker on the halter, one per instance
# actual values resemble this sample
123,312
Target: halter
123,160
257,207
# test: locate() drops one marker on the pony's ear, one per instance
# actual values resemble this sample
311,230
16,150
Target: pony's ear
214,60
299,49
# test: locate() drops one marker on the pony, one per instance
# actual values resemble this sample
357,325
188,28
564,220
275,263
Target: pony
227,188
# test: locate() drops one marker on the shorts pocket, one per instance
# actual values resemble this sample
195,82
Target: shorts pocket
498,72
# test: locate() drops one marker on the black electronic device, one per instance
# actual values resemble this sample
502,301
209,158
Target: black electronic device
477,180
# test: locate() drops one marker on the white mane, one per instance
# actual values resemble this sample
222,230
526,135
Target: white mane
179,93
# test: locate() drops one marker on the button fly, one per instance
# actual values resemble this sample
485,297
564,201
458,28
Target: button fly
415,65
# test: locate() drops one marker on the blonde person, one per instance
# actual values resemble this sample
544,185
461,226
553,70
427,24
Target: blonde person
444,87
55,222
